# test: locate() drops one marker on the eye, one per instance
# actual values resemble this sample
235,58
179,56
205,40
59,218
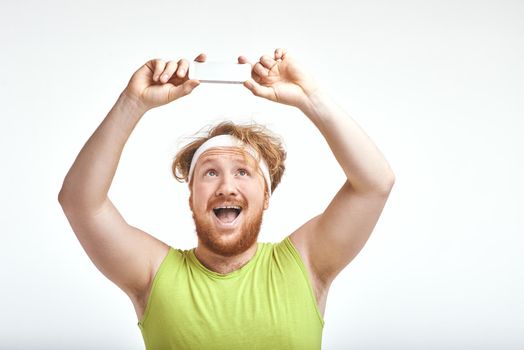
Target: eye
242,172
211,172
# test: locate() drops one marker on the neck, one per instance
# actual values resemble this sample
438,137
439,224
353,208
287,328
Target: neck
224,264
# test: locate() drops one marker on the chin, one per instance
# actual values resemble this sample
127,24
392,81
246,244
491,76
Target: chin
228,239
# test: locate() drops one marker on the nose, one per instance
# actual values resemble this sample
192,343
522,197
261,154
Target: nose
227,186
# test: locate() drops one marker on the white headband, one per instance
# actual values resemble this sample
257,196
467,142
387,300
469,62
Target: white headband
230,141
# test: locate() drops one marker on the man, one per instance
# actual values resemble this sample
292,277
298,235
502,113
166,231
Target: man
230,292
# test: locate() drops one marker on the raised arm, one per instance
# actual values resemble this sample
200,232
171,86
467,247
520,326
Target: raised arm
329,241
124,254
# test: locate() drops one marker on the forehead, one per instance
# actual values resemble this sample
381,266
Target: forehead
227,155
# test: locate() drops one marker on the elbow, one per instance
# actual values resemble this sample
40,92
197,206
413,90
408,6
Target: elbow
387,185
62,197
391,181
66,196
72,200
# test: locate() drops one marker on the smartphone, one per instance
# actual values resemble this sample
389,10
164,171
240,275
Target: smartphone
219,72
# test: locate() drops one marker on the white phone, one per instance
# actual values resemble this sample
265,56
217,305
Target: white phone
219,72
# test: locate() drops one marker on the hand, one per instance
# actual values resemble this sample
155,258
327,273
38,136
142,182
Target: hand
281,79
157,82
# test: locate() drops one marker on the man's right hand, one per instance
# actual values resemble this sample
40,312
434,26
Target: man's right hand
158,82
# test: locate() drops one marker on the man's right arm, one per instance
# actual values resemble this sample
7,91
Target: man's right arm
124,254
121,252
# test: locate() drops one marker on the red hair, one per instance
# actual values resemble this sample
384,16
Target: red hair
268,145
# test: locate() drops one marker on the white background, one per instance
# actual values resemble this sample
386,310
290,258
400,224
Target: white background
437,85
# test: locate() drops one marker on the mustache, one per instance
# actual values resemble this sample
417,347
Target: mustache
227,201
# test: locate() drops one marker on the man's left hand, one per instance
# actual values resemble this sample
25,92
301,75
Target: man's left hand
280,79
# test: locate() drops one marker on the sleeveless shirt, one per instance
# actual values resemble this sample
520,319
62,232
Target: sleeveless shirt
268,303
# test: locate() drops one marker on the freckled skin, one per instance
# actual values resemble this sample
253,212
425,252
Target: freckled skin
227,176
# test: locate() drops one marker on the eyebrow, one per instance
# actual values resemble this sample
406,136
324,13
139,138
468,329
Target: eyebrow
236,161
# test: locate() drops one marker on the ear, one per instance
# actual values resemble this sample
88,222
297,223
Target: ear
266,200
191,200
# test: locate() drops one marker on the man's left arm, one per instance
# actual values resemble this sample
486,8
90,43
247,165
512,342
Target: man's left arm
332,239
329,241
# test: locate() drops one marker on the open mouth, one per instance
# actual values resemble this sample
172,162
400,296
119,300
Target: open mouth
227,214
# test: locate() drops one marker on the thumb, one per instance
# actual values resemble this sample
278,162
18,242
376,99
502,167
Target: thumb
176,92
188,86
259,90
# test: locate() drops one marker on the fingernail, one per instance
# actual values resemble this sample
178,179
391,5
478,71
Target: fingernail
182,71
164,77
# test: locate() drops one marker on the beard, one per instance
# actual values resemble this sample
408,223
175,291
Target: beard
213,240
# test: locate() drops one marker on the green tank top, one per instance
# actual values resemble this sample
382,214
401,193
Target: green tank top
268,303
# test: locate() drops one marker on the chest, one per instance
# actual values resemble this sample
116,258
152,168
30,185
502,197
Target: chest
271,310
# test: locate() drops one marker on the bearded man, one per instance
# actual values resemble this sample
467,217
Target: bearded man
231,291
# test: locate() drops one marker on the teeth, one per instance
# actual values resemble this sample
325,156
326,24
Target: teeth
229,207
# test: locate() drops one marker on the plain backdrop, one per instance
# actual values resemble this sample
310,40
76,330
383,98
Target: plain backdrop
437,85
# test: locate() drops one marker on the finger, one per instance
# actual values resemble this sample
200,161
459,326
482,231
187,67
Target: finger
170,68
183,66
256,77
259,90
261,70
201,58
159,65
267,61
243,59
280,53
